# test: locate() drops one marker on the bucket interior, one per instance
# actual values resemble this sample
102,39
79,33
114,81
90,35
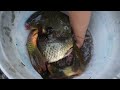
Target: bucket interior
104,27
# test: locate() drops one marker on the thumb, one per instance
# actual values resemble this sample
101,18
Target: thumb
79,41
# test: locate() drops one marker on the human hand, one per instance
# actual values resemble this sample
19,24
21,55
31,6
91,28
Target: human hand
79,21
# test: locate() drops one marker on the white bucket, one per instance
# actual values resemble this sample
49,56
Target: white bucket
105,30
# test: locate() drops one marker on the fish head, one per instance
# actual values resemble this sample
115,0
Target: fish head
34,21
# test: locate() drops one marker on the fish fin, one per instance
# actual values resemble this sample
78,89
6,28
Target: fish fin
37,60
78,55
68,52
40,59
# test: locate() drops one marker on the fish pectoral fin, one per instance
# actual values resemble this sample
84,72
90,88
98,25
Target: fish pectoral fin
68,52
68,71
78,55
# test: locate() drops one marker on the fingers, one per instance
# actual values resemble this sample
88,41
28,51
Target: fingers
79,21
79,41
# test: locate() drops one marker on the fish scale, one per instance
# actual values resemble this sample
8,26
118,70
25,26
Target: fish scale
55,51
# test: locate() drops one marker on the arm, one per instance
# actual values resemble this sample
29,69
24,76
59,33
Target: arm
79,21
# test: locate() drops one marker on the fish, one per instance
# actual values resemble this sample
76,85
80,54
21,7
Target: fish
50,21
50,44
36,58
54,34
55,50
76,67
54,70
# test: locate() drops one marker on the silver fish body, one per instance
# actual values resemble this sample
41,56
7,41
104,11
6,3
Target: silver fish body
56,50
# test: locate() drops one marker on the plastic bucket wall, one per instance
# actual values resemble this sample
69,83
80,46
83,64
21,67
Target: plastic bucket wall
105,30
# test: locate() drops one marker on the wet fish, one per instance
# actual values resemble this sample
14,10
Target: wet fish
50,21
54,34
55,70
51,42
37,59
74,65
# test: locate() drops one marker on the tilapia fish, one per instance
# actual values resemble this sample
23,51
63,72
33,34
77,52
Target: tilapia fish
66,67
56,40
55,50
51,43
37,59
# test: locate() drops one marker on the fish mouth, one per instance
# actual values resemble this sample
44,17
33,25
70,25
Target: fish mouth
27,26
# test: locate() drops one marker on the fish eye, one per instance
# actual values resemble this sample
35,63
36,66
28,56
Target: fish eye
49,30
